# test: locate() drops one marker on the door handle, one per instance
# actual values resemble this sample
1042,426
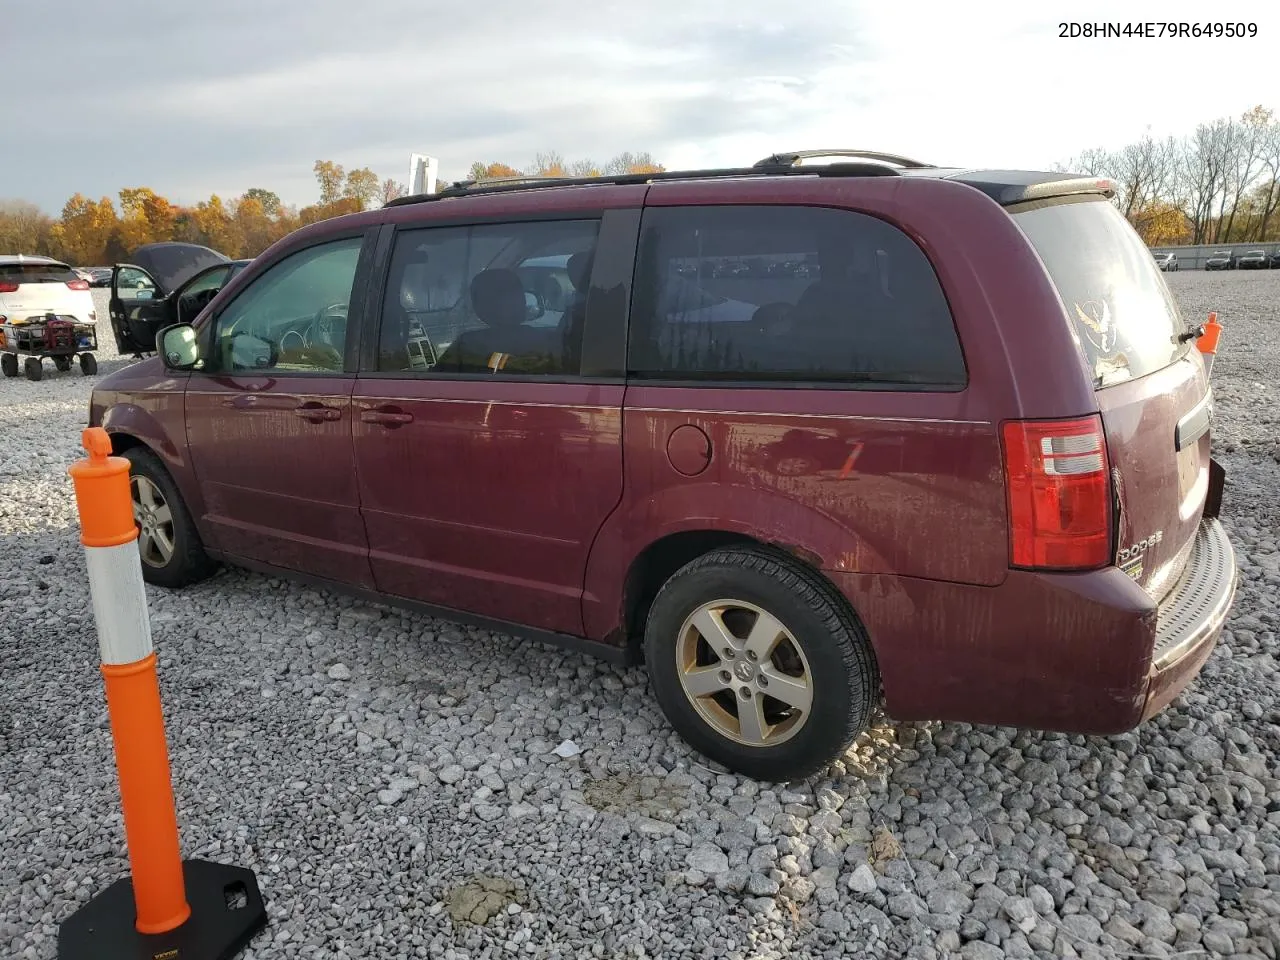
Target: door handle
317,412
386,416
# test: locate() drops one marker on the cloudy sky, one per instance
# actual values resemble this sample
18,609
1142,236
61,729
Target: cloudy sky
251,92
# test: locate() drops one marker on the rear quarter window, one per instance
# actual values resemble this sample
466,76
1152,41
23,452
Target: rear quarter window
1120,309
787,293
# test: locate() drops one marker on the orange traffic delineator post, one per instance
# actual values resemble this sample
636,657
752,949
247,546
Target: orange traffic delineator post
1208,343
168,908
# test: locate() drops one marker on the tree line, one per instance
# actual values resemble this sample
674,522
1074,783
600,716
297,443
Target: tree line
1219,184
91,232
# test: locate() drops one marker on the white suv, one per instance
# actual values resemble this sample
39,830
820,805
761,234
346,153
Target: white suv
31,288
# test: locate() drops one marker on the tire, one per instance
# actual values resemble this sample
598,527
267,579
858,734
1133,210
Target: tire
62,364
88,364
843,681
9,364
186,562
32,368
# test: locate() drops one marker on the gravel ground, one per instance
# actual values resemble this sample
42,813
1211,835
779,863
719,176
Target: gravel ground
391,778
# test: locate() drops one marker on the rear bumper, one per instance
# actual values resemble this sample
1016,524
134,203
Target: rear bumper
1192,616
1073,652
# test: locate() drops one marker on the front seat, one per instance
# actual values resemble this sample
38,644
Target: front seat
575,315
505,344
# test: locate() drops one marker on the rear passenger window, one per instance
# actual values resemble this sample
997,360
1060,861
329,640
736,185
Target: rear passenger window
787,293
495,299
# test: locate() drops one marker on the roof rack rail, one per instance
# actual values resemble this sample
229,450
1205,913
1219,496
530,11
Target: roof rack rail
470,188
793,157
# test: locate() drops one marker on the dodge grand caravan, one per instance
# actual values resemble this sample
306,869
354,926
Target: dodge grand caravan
798,435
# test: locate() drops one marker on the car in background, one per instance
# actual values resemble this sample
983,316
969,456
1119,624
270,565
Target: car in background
32,288
84,275
1273,261
782,506
101,276
1166,261
1254,260
1221,260
163,284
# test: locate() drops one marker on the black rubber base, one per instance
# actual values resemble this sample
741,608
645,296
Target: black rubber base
226,911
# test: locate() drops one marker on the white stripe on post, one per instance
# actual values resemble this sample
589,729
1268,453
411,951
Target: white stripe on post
119,602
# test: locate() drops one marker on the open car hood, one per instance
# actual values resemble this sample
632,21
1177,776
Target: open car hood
173,264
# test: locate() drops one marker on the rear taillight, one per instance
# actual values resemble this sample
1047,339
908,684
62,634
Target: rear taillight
1059,493
78,284
7,287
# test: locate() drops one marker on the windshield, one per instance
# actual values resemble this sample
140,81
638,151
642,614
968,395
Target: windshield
1124,318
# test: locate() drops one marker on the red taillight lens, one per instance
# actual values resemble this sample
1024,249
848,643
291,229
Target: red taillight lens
8,287
1059,489
78,284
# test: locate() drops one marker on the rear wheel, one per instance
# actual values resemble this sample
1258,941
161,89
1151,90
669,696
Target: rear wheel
32,368
9,364
168,543
88,364
759,664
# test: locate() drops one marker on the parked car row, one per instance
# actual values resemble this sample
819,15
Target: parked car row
1256,259
785,494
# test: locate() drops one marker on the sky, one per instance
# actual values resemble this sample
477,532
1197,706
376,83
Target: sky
194,100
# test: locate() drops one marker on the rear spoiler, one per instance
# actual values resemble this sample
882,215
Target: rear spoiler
1069,187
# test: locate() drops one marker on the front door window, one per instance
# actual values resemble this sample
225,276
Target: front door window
294,317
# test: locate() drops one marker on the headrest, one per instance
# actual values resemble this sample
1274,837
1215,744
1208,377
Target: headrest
497,296
579,267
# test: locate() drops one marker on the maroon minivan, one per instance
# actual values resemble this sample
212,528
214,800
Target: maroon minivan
800,435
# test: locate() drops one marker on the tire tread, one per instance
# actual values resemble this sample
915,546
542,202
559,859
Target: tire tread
193,564
843,628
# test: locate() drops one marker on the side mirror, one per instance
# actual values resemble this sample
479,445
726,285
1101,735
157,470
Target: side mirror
534,307
179,347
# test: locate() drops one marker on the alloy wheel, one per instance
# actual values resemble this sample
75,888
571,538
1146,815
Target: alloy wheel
155,522
744,673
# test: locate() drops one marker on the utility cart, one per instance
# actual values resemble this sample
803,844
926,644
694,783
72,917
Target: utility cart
61,339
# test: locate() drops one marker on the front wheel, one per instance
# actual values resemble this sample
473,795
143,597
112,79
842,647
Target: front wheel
759,664
9,364
32,368
168,542
88,364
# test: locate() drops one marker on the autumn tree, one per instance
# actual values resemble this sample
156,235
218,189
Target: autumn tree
145,217
269,201
550,164
332,178
1270,190
84,231
24,228
1161,224
628,162
363,187
253,225
491,171
393,189
217,226
323,211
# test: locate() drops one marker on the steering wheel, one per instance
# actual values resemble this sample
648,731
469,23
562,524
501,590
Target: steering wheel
323,326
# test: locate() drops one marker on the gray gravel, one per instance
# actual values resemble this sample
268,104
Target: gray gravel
392,780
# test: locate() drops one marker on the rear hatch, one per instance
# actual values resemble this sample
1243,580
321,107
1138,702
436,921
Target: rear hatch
36,289
1150,383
